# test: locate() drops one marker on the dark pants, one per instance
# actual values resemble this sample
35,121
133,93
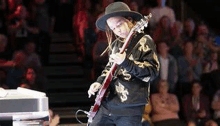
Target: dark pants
105,118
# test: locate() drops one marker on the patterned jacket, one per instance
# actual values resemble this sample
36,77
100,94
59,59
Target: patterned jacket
130,87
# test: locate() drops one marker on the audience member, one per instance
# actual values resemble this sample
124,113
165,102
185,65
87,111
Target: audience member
216,106
204,43
84,28
196,106
201,50
203,29
32,58
33,80
189,68
100,57
163,30
168,69
212,64
5,55
54,120
134,6
176,40
45,23
12,5
21,27
210,82
160,11
145,10
15,74
165,107
191,123
189,32
177,32
211,123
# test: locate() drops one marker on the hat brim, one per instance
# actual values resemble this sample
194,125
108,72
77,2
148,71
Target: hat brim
101,22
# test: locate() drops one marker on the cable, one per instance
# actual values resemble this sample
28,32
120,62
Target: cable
87,113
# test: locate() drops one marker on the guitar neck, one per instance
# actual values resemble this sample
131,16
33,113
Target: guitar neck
127,41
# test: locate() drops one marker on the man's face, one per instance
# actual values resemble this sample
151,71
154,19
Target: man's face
177,28
189,26
214,56
30,75
196,89
163,48
165,22
134,6
203,30
119,25
188,47
30,47
20,59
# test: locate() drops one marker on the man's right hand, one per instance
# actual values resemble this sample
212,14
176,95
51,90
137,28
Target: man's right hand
94,88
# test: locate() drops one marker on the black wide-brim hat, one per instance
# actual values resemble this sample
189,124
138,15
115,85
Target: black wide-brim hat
116,9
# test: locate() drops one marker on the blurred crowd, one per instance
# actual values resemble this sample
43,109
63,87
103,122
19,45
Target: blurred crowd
188,85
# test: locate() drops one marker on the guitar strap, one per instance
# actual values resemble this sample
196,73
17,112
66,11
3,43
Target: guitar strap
132,44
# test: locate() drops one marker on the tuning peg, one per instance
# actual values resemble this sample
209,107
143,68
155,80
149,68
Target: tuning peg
146,17
150,15
146,25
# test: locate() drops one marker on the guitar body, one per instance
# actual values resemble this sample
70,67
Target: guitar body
101,93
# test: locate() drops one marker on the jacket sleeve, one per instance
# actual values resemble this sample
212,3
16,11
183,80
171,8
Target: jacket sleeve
147,66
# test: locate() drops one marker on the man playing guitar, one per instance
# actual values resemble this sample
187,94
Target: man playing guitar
128,90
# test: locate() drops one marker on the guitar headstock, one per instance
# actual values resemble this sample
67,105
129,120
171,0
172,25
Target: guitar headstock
142,23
